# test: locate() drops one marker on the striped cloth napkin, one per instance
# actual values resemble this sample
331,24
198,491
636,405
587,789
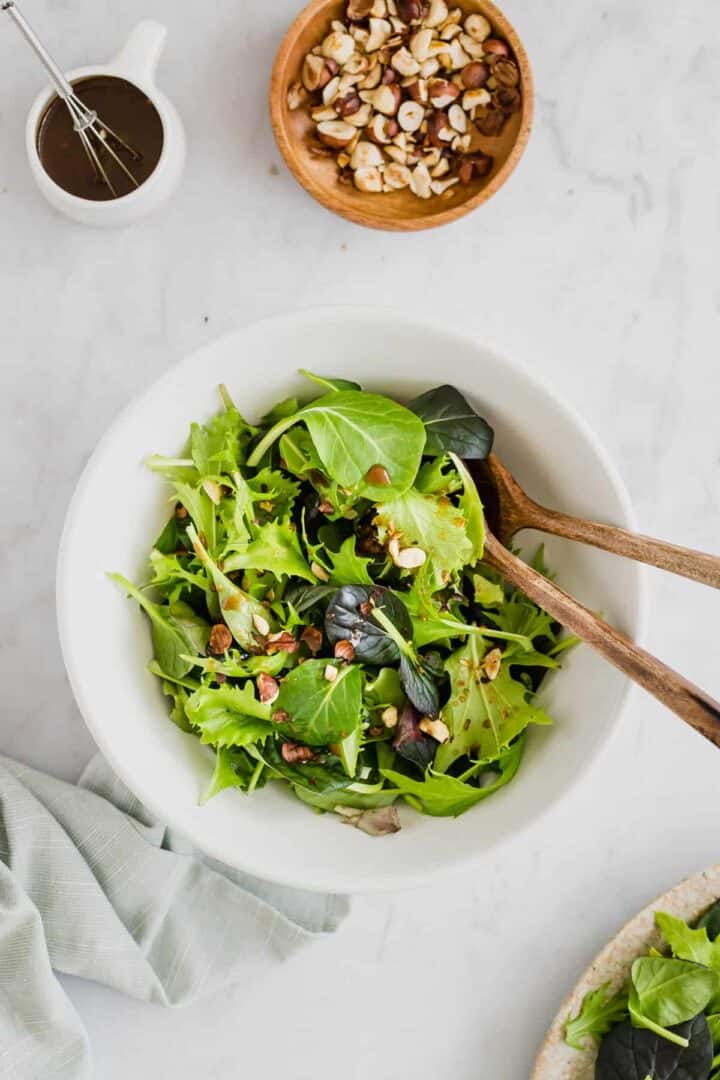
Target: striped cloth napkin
91,885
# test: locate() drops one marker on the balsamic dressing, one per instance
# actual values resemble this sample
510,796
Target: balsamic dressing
124,108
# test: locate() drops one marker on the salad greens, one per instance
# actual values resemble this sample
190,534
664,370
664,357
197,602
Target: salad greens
665,1024
320,613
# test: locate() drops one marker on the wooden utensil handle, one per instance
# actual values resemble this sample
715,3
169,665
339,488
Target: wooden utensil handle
678,560
684,698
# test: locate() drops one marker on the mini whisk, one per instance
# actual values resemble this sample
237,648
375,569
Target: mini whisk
95,135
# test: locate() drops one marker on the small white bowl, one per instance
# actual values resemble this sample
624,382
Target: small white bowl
119,507
137,63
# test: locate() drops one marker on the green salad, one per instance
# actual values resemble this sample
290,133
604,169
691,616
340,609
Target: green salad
320,613
665,1024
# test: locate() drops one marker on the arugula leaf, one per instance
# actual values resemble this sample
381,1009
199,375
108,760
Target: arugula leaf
487,593
240,611
667,992
599,1011
483,716
320,712
169,643
174,469
472,509
218,448
630,1052
431,523
451,423
275,548
330,384
446,796
349,568
192,626
202,512
178,695
353,432
229,716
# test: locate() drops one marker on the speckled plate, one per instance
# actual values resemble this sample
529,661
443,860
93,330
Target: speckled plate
687,901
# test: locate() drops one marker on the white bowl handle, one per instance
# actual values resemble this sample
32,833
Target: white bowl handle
140,55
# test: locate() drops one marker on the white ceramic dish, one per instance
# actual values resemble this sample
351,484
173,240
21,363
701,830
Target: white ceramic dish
106,644
688,901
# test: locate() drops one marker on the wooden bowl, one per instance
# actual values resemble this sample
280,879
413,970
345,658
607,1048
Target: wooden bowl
397,210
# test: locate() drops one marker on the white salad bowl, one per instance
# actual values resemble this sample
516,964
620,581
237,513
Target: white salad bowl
106,642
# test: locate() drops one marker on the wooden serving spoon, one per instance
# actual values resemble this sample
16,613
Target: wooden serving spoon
509,509
685,699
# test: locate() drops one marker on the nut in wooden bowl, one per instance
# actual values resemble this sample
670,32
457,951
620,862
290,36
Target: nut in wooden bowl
401,114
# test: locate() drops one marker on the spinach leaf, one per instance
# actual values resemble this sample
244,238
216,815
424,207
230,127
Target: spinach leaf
229,716
713,1021
632,1052
305,597
483,716
169,643
240,611
447,796
385,689
352,616
320,712
451,423
711,921
667,992
195,629
599,1011
353,433
330,384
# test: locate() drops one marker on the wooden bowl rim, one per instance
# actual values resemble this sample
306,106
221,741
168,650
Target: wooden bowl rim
427,220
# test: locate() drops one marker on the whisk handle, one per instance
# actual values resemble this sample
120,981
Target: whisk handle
62,86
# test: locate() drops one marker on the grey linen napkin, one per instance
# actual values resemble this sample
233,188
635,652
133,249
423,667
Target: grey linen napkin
91,885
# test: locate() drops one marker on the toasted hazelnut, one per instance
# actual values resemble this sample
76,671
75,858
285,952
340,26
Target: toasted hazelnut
359,9
405,63
389,716
356,65
441,169
437,13
420,44
373,77
454,57
360,35
506,72
348,105
472,99
220,639
386,99
397,175
326,112
457,118
313,638
492,663
295,753
335,133
449,32
283,641
379,9
380,31
429,67
440,187
397,155
359,119
297,95
418,91
268,688
338,46
366,155
420,186
477,27
330,673
475,75
495,47
432,157
474,49
368,180
438,132
442,93
315,73
410,115
437,729
491,122
280,716
261,625
344,650
461,143
330,91
410,11
381,129
413,557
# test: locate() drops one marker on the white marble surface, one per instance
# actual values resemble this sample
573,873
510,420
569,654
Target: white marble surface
597,265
